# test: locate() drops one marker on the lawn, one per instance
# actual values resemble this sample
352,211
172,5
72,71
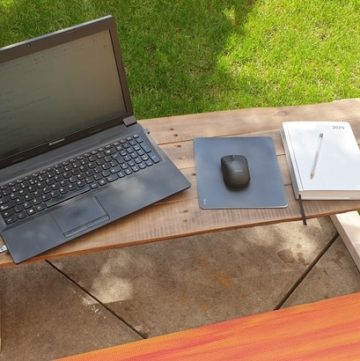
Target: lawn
202,55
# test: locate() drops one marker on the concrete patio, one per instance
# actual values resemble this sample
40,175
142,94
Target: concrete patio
78,304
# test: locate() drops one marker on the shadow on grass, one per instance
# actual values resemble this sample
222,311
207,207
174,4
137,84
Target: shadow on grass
171,50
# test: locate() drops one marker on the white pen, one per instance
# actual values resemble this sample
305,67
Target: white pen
321,137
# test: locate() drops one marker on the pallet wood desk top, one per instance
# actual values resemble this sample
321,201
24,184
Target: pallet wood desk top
180,215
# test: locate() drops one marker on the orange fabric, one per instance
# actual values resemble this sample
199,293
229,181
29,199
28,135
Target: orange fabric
323,331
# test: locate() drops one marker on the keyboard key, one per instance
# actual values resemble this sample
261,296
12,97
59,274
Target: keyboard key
115,169
46,189
145,148
5,207
28,197
112,177
4,200
30,211
11,219
46,197
18,208
21,215
102,182
54,194
37,201
6,191
89,180
71,187
40,207
12,196
154,158
80,183
8,213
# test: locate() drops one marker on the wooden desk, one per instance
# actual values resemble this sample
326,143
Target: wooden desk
180,215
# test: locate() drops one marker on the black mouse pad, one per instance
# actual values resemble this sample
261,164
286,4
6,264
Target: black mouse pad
265,189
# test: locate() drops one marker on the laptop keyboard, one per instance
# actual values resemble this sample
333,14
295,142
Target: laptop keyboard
34,193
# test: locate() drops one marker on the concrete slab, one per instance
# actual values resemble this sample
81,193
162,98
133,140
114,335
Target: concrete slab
45,316
179,284
334,275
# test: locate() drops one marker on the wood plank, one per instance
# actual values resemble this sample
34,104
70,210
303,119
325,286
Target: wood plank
244,121
323,331
184,218
348,226
182,153
157,222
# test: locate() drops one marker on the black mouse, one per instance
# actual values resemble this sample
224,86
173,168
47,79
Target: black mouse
235,171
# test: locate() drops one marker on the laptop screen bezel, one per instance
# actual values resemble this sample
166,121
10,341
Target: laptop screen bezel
57,38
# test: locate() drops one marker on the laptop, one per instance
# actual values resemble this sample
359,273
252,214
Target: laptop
72,155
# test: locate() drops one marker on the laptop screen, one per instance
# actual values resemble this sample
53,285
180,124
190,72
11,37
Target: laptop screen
49,95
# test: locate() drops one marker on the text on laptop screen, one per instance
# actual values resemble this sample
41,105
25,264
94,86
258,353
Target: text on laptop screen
59,91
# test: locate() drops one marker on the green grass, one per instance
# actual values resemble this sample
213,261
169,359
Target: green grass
202,55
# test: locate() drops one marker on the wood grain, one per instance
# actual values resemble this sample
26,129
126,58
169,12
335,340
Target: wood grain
180,215
323,331
246,121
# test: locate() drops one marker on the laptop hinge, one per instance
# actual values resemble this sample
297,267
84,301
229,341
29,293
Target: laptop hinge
130,121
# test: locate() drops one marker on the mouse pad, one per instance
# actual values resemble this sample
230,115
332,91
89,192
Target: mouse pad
265,189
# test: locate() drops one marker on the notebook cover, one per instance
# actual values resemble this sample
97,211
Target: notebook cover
265,189
324,159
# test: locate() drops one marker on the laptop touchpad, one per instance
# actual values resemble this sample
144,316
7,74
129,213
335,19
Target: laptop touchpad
78,216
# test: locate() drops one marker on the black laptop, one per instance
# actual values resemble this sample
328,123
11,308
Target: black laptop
72,155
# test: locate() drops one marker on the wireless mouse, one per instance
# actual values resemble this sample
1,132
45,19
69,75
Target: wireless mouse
235,171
